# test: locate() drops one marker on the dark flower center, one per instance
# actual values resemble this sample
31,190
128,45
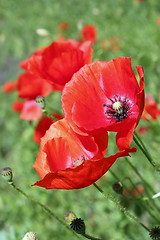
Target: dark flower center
119,108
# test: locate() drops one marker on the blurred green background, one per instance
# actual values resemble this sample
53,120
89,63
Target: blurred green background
136,29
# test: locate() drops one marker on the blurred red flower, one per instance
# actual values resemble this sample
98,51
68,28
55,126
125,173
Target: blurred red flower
111,44
59,61
17,106
30,86
138,190
63,26
134,192
105,96
60,37
9,87
30,111
88,32
139,0
151,110
67,160
43,125
158,20
143,130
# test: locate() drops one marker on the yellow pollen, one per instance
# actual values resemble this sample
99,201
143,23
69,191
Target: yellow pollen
117,105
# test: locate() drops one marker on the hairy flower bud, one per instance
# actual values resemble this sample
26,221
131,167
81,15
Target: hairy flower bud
6,173
69,217
41,102
30,236
42,32
117,187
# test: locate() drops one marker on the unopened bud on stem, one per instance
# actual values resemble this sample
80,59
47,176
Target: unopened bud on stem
117,187
7,174
30,236
41,102
69,217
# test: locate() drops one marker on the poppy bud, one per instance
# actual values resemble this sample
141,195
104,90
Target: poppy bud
155,233
42,32
69,217
30,236
78,226
6,173
41,102
117,187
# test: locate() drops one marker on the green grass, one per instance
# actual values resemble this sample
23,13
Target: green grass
135,25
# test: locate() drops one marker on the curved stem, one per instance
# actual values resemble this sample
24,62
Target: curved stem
49,115
125,211
114,175
44,207
90,237
146,183
143,148
148,209
139,175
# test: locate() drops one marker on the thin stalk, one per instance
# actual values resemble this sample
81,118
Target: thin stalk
143,148
114,175
125,211
49,115
90,237
136,199
149,205
44,208
146,183
139,175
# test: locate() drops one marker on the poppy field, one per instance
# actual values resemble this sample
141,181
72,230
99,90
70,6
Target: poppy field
80,120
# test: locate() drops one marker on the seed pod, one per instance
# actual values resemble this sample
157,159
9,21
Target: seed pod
78,226
155,233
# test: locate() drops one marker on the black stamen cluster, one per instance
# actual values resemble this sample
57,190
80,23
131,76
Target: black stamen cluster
121,113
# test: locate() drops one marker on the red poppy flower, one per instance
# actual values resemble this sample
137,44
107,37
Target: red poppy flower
151,111
88,32
111,44
43,125
143,130
134,192
67,160
30,86
138,190
59,61
17,106
30,111
9,87
105,96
